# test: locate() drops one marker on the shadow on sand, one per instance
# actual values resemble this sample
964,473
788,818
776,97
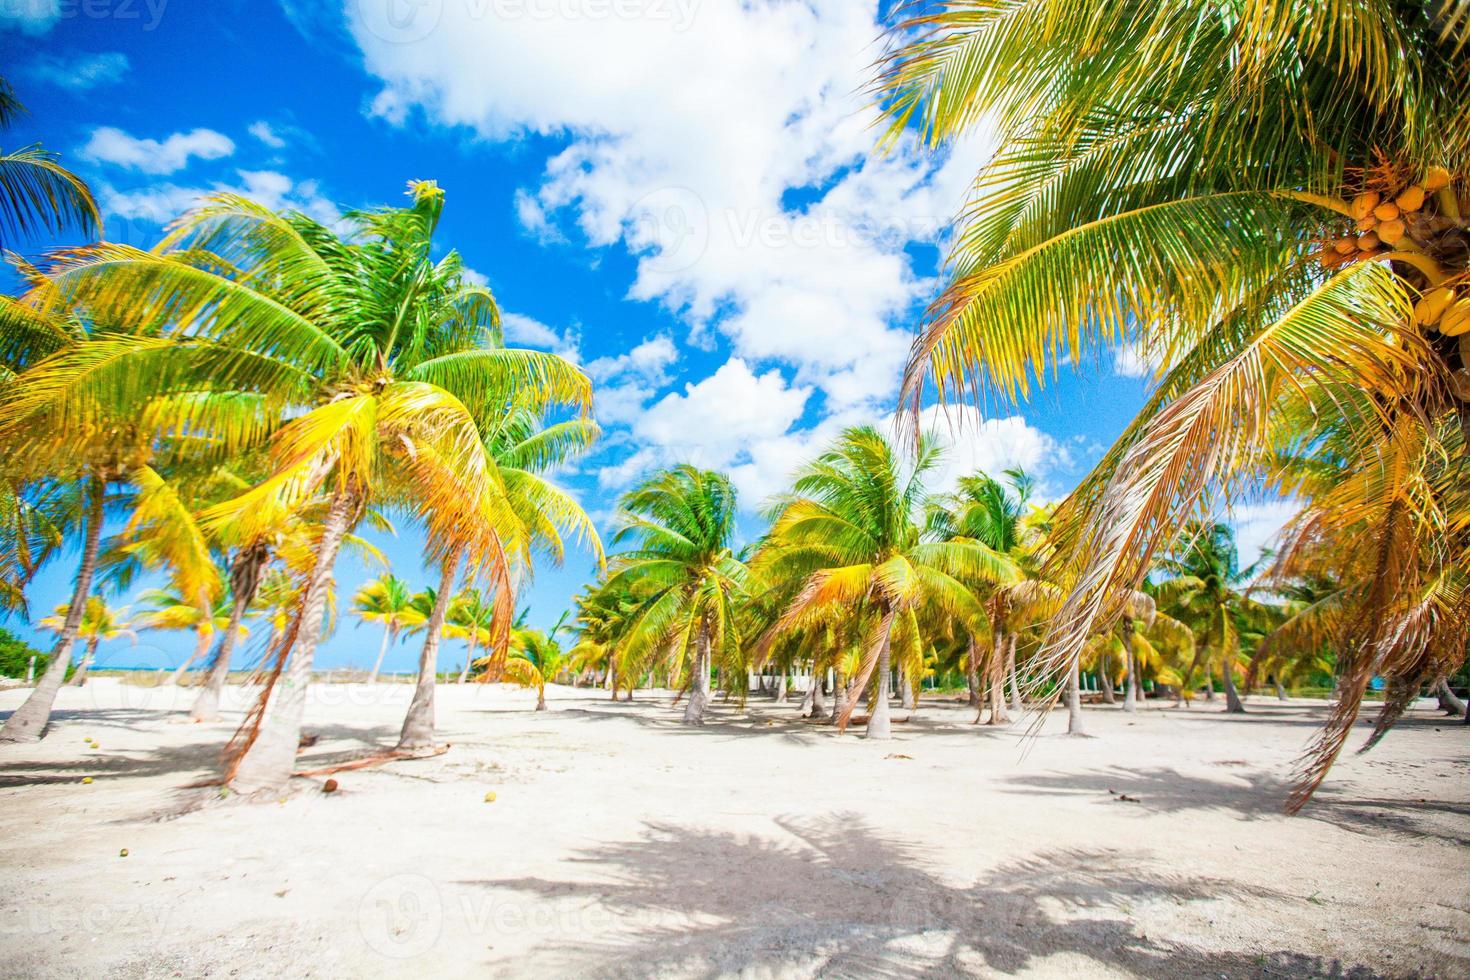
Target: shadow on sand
841,900
1253,795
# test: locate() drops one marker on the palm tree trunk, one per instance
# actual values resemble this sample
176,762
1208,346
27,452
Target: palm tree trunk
267,764
995,681
1232,699
1448,702
972,674
206,705
809,698
1074,700
469,656
612,676
781,688
390,633
879,721
31,718
79,676
1105,680
839,694
819,698
905,690
1209,681
417,734
1130,699
1017,705
1280,691
201,647
699,679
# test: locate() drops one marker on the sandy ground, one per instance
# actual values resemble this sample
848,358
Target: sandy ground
621,844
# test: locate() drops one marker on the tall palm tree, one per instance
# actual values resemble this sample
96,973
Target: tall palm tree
850,531
520,449
99,622
383,600
387,361
685,575
1267,202
38,194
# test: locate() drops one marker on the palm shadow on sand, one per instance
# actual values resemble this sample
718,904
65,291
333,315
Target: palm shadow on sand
1165,790
841,900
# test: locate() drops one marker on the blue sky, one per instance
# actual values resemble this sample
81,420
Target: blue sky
676,193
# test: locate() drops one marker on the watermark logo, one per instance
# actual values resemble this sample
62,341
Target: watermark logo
401,917
400,21
671,226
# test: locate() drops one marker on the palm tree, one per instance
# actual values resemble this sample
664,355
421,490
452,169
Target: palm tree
535,660
1204,588
849,531
1255,202
535,515
37,194
685,575
170,611
383,600
388,360
985,510
469,618
99,622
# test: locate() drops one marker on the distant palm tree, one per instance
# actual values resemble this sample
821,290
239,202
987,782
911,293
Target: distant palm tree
172,612
850,531
99,622
384,600
684,572
1204,588
470,618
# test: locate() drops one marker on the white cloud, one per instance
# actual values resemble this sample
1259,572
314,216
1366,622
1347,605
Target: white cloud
267,134
111,145
161,203
627,382
33,17
79,73
524,331
727,421
973,443
1256,526
1130,361
730,156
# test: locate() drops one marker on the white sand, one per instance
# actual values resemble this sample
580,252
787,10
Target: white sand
621,844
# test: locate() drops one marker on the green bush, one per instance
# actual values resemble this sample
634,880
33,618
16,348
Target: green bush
16,654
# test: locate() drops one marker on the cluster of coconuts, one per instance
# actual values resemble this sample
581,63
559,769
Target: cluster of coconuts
1382,220
1444,310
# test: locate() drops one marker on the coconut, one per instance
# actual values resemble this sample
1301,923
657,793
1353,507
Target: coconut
1392,231
1412,199
1431,305
1456,319
1367,241
1460,382
1346,246
1386,211
1364,204
490,796
330,786
1368,223
1435,178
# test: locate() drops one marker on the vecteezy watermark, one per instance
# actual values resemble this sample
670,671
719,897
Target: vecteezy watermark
671,226
408,21
148,13
94,919
403,916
